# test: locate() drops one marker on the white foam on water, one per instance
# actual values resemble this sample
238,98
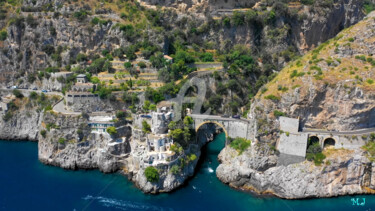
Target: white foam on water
123,205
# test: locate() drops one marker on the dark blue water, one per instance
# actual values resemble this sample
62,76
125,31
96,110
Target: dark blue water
26,184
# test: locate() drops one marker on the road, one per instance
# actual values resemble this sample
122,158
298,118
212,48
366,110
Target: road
353,132
214,117
27,92
60,108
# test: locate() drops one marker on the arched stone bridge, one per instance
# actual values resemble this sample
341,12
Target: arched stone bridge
232,127
294,143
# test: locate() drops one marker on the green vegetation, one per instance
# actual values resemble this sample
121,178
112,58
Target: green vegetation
61,140
278,113
370,147
272,97
192,157
3,35
175,169
151,174
240,144
43,133
120,114
146,128
111,130
314,153
182,136
17,93
295,73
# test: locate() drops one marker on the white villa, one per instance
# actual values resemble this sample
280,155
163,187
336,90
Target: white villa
101,123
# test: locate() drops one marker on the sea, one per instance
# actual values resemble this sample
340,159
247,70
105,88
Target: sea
27,184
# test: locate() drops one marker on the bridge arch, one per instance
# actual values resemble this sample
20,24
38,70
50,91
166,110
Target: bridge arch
329,142
212,122
312,140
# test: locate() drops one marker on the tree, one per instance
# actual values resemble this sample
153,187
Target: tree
172,125
3,35
17,93
240,144
111,130
120,114
146,106
175,169
157,60
152,174
142,65
188,121
146,128
207,57
152,107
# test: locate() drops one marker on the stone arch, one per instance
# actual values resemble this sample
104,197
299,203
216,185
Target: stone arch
329,142
213,122
312,140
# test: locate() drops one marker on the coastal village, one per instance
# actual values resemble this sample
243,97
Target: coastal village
145,88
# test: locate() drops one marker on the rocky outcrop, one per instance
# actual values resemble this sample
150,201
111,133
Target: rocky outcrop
69,143
169,181
24,125
323,97
347,173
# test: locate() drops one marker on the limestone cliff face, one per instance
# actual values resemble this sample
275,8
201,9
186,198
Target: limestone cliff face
69,143
349,173
22,126
22,52
329,88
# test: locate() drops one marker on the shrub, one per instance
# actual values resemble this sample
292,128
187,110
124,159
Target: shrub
175,169
278,113
111,130
240,144
318,159
152,174
43,133
120,114
17,93
272,97
192,157
62,140
142,65
146,128
3,35
370,81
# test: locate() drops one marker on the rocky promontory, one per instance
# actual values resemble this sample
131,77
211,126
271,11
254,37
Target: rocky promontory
324,96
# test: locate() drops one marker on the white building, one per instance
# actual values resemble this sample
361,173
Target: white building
101,123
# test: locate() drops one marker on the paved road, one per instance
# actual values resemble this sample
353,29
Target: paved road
27,92
214,117
353,132
60,108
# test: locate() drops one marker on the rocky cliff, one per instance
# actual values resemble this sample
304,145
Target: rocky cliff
54,34
331,88
68,143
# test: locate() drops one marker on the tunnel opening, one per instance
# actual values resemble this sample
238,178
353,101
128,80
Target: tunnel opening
312,141
329,142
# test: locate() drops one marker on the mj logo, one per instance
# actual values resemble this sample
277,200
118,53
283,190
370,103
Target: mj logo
358,202
197,101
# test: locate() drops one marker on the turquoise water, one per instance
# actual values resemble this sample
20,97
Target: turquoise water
26,184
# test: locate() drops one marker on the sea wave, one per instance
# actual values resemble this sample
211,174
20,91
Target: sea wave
122,204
